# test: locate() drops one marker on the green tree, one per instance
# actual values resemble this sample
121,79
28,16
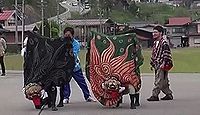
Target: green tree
181,11
54,32
46,28
106,6
133,8
54,29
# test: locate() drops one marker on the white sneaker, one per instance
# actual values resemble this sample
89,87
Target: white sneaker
65,101
90,99
3,76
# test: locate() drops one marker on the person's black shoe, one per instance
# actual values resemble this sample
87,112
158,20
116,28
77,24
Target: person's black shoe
54,108
167,97
3,74
153,98
119,102
60,104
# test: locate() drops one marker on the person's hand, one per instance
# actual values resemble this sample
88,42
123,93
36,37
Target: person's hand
162,65
151,68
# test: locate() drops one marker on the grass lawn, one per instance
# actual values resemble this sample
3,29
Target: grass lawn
13,62
186,60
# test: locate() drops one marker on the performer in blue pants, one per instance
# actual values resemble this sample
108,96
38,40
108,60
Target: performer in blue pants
80,80
77,73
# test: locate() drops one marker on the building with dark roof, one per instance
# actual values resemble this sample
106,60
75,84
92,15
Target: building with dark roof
176,31
83,27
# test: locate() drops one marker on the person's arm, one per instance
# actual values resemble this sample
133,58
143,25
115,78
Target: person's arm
4,44
167,58
76,48
166,53
23,51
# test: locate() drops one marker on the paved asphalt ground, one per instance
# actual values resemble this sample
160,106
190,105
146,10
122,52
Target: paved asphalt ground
186,88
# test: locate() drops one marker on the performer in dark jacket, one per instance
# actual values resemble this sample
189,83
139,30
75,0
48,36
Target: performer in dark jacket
48,63
161,62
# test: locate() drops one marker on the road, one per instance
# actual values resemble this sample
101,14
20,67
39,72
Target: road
69,8
185,87
67,14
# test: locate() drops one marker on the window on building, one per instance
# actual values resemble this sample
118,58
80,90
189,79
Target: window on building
178,30
197,41
198,28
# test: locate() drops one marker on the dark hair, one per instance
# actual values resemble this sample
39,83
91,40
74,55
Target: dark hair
159,28
69,29
1,29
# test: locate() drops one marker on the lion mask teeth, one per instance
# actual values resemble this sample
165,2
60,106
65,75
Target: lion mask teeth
32,89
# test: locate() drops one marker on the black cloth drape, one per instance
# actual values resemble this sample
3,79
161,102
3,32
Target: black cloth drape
47,61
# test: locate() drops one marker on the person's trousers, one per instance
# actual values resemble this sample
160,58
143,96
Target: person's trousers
80,80
161,83
131,89
2,64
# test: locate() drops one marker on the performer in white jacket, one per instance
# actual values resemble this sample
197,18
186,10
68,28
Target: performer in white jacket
24,48
3,47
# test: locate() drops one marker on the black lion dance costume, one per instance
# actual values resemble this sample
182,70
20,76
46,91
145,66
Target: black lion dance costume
47,63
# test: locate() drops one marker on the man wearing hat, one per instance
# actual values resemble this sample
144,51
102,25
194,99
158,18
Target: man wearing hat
161,62
2,50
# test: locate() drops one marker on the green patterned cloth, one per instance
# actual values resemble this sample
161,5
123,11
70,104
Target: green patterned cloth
111,58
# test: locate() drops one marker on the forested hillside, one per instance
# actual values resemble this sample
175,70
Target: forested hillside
121,11
124,11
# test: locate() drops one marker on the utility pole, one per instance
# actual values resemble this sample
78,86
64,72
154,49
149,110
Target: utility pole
50,28
23,21
79,7
58,18
42,7
100,18
16,23
100,14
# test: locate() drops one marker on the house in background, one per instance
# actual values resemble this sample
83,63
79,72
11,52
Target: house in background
7,18
145,29
13,44
176,31
193,32
83,27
